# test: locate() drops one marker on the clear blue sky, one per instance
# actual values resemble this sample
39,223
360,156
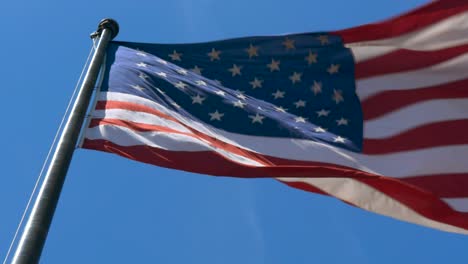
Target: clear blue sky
114,210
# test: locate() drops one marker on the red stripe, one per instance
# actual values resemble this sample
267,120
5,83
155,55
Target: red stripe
305,187
427,136
444,185
388,101
102,105
392,62
414,20
140,127
420,201
309,188
437,184
423,202
202,162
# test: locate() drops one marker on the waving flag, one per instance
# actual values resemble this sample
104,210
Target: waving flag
376,116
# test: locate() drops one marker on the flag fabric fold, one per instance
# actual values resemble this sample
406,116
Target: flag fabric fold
376,116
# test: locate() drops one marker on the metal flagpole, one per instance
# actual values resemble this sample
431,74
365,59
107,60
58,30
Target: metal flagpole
35,233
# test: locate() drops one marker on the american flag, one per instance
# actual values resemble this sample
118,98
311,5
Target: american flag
376,116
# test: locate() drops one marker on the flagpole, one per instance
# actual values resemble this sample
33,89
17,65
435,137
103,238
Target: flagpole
35,233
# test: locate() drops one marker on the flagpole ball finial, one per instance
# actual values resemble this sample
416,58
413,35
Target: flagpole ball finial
111,24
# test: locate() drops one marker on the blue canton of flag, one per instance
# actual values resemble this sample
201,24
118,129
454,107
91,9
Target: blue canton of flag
300,86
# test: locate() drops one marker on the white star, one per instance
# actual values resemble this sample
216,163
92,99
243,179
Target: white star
138,87
175,56
239,104
323,39
278,94
197,70
143,76
241,95
200,83
320,130
235,70
317,87
256,83
289,44
280,109
342,121
181,71
142,64
300,119
339,139
214,54
334,68
274,65
300,103
257,118
311,58
197,99
140,53
216,115
162,74
295,77
176,104
161,61
252,51
221,93
337,96
322,112
180,85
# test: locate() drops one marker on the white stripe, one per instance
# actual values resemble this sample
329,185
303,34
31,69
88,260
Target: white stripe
451,159
363,53
123,97
445,72
440,160
446,33
457,204
123,136
416,115
139,117
372,200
